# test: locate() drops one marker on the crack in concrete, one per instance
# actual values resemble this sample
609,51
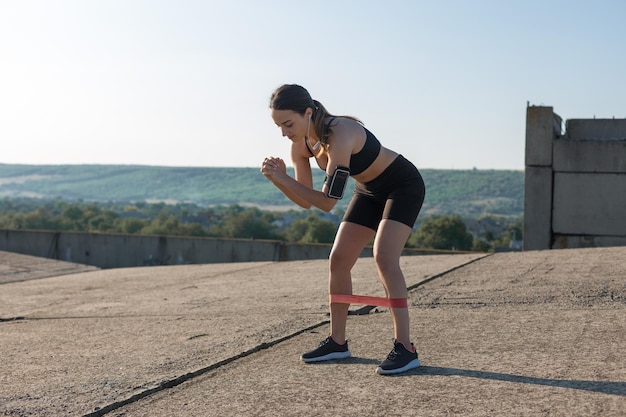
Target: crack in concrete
6,319
132,316
191,375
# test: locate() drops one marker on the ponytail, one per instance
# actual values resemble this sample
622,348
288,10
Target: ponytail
323,130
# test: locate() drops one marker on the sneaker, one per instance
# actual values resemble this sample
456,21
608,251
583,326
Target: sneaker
327,350
399,360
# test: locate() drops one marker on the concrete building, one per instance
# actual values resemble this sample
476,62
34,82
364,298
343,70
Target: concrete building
575,181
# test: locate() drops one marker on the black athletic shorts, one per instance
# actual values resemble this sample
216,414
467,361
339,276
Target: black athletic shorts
396,194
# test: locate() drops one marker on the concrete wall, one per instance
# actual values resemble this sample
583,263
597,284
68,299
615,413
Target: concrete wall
575,182
116,251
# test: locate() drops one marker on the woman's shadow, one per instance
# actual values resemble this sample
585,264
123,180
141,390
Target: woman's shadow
605,387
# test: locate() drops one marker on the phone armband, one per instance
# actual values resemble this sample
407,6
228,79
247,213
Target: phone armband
337,182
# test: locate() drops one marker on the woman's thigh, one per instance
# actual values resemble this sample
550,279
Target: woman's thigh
390,240
350,240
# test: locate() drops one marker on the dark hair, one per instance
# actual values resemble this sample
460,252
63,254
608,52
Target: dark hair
297,98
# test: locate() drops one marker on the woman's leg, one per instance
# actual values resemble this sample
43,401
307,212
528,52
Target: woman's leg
350,240
390,240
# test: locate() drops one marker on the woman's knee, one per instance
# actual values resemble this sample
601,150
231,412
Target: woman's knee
386,262
341,260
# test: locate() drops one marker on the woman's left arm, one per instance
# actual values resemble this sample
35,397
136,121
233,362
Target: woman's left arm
298,192
339,150
269,168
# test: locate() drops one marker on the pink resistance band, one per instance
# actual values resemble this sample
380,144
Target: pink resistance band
368,301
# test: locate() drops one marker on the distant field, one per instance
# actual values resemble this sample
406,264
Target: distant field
469,193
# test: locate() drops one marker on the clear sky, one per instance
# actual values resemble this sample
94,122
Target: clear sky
187,82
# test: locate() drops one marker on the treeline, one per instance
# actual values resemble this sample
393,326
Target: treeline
236,221
468,193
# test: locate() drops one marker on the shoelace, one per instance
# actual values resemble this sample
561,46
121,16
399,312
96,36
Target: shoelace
329,340
392,355
325,342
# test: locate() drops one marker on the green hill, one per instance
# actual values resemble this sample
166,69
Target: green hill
469,193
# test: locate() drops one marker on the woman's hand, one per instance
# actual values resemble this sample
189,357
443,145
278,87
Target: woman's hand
280,166
273,168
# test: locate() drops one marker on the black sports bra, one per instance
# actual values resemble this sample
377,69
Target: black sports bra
361,160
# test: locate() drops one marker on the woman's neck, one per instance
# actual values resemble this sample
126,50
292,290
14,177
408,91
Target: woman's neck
311,136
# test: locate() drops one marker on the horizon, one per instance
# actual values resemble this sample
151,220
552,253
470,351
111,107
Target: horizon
228,167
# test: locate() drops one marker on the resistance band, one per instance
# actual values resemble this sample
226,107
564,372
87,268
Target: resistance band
368,300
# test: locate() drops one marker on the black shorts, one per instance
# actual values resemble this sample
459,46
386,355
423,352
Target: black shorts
396,194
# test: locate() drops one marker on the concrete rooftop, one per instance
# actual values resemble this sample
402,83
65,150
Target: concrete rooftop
508,334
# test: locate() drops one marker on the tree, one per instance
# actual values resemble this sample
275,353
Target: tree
311,230
513,232
38,219
132,225
163,225
73,218
238,222
442,232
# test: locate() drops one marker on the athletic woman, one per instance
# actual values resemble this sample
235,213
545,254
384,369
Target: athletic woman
389,192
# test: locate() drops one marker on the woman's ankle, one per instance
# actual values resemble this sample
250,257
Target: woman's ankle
336,340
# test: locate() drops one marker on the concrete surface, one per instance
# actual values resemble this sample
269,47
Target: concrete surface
509,334
596,129
110,250
537,207
598,208
573,155
540,130
15,268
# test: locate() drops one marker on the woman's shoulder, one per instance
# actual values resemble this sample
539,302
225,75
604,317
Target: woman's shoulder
347,136
341,126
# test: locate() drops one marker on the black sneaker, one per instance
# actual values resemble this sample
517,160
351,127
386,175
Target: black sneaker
399,360
327,350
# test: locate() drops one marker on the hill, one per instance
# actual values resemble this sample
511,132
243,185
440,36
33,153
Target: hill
469,193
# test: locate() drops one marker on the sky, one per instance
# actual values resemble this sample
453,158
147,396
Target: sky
187,82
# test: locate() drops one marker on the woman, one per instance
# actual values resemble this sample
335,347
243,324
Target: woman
388,196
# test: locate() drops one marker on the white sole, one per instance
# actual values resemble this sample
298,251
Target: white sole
330,356
415,363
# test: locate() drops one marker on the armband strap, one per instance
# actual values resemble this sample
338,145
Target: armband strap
368,300
337,182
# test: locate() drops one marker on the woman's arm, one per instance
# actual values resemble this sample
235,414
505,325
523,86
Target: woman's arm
299,190
302,169
292,196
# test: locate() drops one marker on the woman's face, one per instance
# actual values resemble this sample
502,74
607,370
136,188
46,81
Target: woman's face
292,125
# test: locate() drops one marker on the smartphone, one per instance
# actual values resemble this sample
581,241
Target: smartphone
338,182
